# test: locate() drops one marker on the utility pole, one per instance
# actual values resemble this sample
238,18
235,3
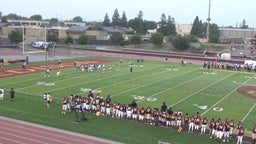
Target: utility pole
208,21
23,39
45,45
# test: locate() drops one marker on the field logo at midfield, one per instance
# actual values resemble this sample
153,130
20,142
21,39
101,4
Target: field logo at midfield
136,97
88,89
200,107
45,83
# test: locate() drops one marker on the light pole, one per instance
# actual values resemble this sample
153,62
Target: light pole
208,21
45,45
23,39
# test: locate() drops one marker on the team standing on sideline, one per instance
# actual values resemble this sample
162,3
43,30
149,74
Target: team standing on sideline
220,130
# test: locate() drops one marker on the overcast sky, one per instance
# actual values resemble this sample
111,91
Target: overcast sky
223,12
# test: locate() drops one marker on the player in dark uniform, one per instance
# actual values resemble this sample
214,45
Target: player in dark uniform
135,113
191,123
141,114
240,134
197,123
232,126
219,134
204,125
212,128
254,134
168,120
226,135
90,95
186,122
108,107
12,94
173,120
179,120
64,105
148,115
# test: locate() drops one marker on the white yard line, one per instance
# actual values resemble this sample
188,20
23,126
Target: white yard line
126,82
224,97
141,86
57,89
248,112
172,87
40,94
27,80
200,90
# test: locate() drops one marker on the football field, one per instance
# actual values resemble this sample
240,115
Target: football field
191,88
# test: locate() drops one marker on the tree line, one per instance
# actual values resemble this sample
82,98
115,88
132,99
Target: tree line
165,28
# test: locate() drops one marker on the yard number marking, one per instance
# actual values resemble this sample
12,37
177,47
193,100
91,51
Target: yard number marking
45,83
88,89
201,107
143,97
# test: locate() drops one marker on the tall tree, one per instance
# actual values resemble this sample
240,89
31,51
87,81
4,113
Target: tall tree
167,27
197,28
83,39
181,43
52,38
244,26
171,25
157,38
214,33
106,21
36,17
140,15
4,19
124,22
116,38
116,18
163,25
78,19
15,36
54,21
149,24
136,39
14,17
137,24
69,39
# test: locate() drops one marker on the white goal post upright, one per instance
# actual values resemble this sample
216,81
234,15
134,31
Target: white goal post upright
23,39
28,52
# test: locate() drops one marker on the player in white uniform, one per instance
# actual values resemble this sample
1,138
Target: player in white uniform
1,94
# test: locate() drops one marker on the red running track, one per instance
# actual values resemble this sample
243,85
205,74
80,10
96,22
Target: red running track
19,132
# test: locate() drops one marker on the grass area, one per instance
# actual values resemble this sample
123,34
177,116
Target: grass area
191,89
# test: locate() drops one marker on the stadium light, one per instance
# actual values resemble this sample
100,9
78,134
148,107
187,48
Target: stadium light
208,21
